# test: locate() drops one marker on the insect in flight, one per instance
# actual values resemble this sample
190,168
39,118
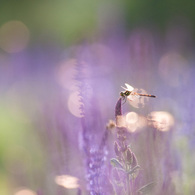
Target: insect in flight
130,93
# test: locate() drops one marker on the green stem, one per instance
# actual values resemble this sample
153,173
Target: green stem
128,186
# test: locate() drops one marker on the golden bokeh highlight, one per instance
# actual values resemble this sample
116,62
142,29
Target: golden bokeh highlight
74,104
67,181
25,192
132,117
134,121
14,36
162,121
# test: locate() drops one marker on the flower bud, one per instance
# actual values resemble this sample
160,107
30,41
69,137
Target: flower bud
129,156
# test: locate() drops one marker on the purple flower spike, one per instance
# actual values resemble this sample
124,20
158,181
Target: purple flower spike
118,110
120,122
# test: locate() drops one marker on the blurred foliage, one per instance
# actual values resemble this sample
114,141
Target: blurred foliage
64,23
157,13
72,21
65,20
19,147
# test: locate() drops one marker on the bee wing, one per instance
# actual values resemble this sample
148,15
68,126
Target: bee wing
129,87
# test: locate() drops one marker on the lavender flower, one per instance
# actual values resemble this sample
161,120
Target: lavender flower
94,136
125,166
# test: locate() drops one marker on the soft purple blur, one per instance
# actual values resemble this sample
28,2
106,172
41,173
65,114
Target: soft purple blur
56,103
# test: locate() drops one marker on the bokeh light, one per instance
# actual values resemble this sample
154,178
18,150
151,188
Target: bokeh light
135,122
14,36
67,181
25,192
132,117
61,67
131,121
74,104
163,121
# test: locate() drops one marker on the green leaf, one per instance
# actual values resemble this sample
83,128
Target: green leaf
146,189
132,171
115,163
